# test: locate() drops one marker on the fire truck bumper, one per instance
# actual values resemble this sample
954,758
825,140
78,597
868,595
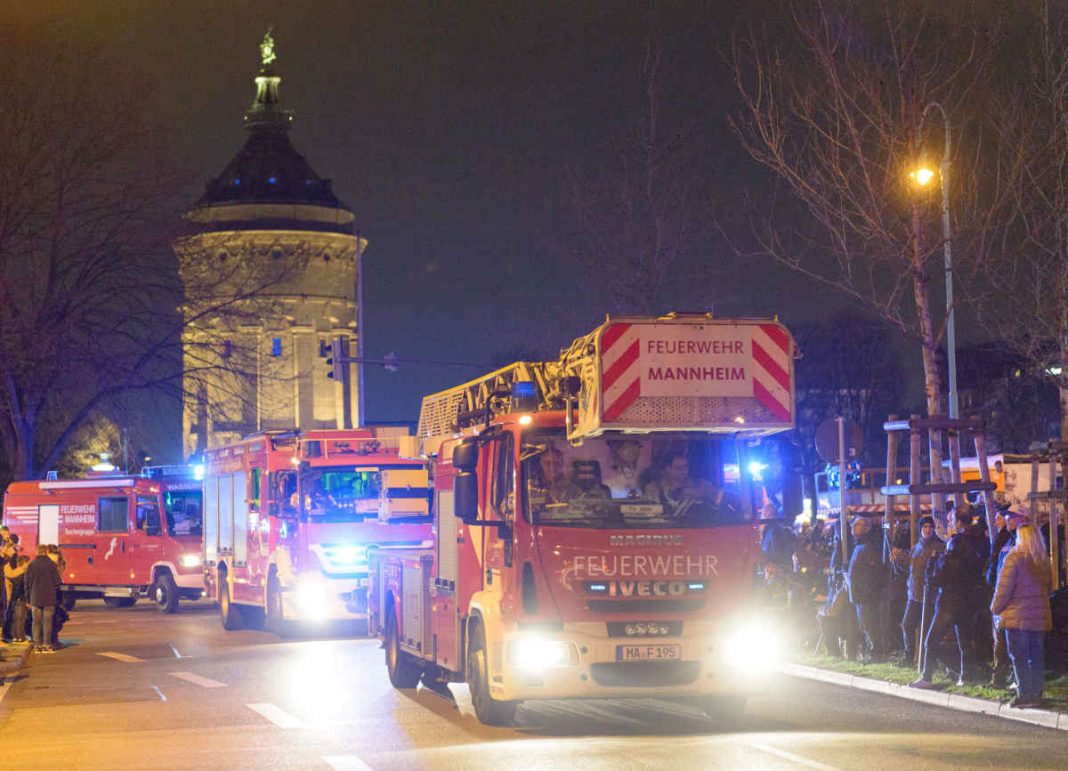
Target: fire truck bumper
189,580
318,598
582,661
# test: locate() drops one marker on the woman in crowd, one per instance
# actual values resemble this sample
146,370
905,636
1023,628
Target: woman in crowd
1021,605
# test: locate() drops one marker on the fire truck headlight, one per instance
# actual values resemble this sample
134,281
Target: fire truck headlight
535,653
312,597
751,645
190,561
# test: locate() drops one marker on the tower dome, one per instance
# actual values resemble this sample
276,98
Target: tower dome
270,265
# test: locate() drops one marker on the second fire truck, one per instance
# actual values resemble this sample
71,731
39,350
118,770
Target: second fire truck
289,518
595,521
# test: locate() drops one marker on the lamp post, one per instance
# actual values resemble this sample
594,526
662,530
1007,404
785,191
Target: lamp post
923,176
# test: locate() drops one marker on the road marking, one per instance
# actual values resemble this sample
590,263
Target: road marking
346,763
159,693
792,757
122,657
5,688
205,682
277,715
177,655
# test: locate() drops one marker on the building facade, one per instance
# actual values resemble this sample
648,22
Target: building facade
270,263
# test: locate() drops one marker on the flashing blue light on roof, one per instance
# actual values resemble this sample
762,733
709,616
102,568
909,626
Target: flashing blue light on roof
272,180
523,389
237,181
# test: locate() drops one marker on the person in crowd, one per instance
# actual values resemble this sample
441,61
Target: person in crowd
1021,605
897,590
837,621
928,546
1002,666
62,616
15,616
866,578
955,578
777,541
42,582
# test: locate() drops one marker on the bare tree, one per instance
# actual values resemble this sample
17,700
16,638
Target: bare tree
637,212
1024,287
88,286
832,108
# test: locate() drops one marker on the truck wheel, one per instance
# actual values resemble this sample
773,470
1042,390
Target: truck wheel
165,593
404,672
228,612
489,710
120,602
275,613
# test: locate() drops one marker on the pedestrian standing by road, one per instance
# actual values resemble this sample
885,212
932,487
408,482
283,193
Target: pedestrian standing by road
42,586
15,614
1003,544
929,545
866,578
1021,605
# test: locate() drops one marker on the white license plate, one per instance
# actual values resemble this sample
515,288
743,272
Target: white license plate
648,652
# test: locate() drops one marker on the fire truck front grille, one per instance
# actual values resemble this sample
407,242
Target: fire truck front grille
645,674
645,606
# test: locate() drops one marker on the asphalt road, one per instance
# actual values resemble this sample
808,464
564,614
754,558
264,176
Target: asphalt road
139,690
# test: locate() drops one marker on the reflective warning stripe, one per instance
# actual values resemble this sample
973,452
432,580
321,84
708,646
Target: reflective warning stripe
771,369
621,378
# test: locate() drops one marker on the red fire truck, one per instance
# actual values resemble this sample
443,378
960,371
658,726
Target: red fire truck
122,537
290,516
594,521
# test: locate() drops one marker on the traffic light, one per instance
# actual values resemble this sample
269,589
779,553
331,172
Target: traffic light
338,359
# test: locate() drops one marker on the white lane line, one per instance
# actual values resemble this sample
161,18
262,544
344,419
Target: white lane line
277,715
122,657
346,763
205,682
177,655
159,693
5,688
793,758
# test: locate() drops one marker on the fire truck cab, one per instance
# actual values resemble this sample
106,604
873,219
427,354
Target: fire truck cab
595,521
121,537
290,517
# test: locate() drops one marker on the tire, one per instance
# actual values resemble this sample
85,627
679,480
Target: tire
164,593
275,613
403,670
120,602
68,601
489,710
229,614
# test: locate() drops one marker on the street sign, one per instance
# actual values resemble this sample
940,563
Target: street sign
827,440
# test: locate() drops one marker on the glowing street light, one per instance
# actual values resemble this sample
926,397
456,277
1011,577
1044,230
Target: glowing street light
923,176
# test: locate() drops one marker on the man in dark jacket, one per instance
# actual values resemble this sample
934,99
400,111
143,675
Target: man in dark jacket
866,579
928,547
42,582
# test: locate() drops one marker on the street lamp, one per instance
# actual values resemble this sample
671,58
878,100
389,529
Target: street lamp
923,176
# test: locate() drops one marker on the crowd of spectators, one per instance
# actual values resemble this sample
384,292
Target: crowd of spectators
954,603
30,600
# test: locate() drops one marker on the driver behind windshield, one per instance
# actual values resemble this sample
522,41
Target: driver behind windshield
679,492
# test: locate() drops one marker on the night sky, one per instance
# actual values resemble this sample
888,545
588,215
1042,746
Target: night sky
447,128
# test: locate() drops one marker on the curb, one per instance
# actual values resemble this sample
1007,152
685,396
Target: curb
1040,717
8,668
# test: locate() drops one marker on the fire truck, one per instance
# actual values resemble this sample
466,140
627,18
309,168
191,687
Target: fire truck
290,516
594,521
122,537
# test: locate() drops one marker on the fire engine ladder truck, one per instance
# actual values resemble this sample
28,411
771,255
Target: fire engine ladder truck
531,386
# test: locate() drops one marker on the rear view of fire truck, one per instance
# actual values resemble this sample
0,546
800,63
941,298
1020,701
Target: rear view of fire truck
595,520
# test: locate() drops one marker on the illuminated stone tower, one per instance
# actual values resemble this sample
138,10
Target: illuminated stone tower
270,266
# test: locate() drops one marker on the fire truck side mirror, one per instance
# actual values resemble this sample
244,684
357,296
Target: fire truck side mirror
465,496
465,456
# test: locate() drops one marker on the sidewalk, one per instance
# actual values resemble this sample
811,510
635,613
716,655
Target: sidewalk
1041,717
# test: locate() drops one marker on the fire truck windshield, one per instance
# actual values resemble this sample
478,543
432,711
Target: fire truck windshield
340,493
659,481
184,510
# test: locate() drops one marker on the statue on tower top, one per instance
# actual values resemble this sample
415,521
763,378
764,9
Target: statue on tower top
267,54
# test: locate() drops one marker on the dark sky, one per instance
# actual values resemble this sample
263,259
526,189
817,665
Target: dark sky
447,128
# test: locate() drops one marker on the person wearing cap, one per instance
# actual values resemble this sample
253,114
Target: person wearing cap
1021,605
929,545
